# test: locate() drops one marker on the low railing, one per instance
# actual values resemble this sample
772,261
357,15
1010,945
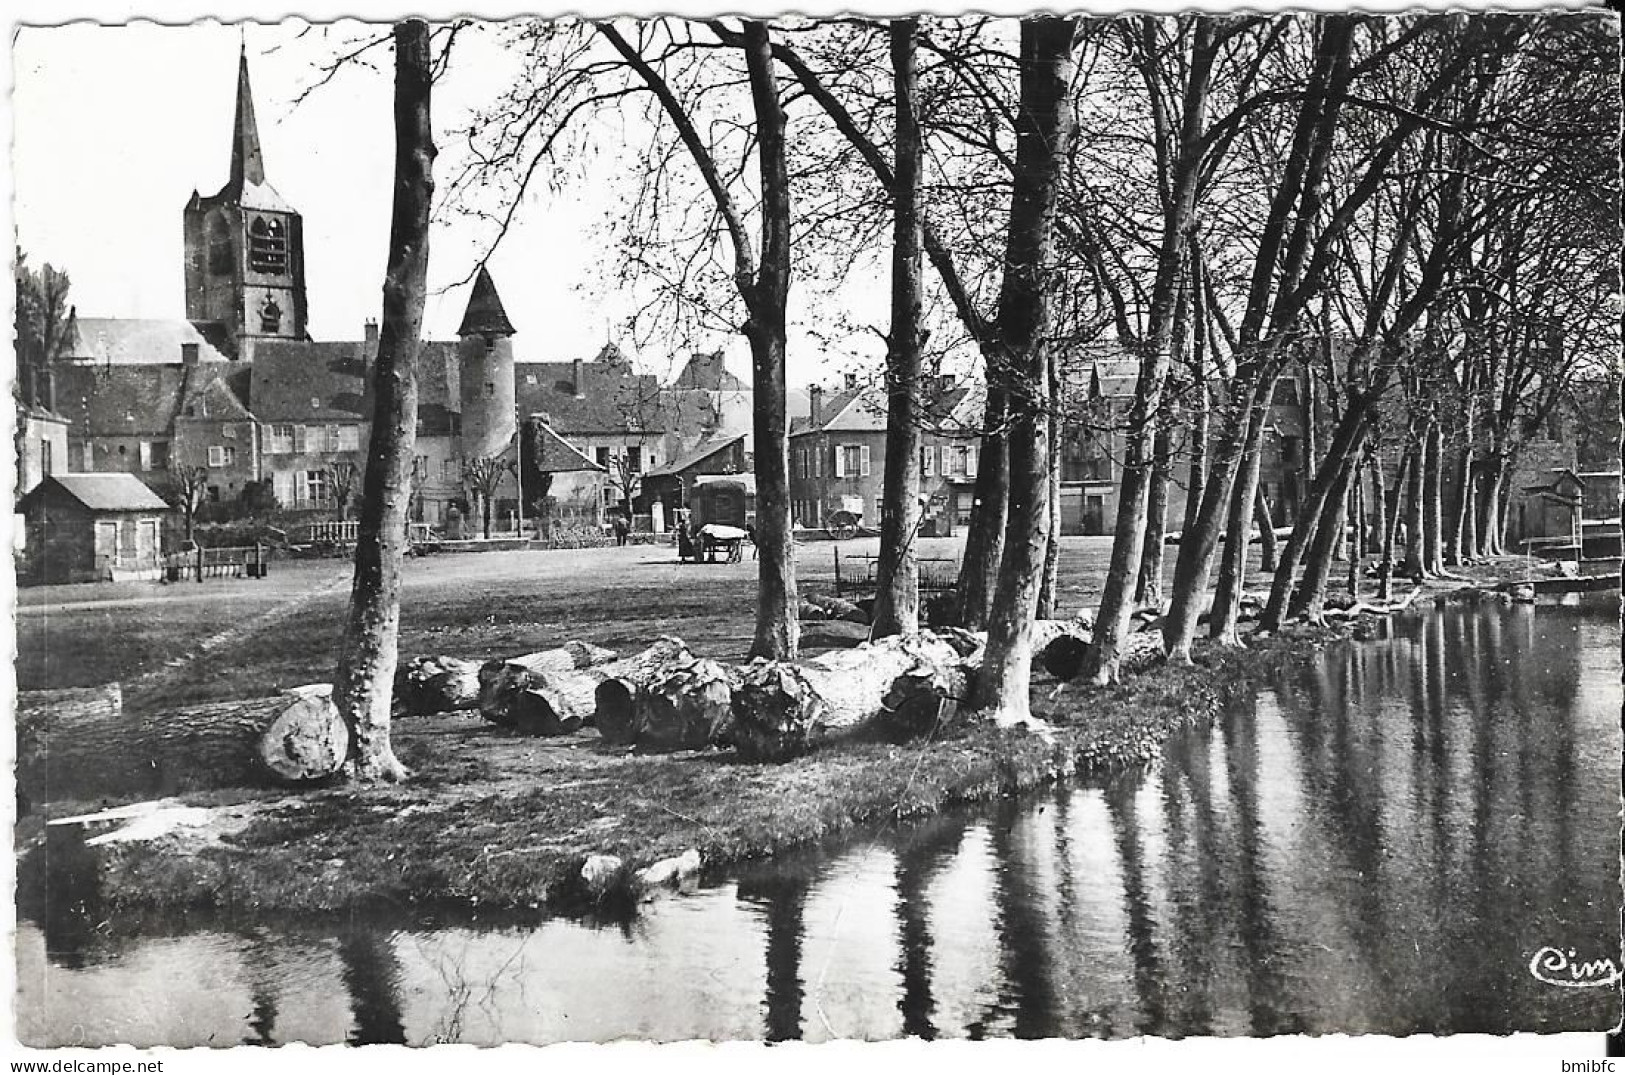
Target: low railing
857,575
230,562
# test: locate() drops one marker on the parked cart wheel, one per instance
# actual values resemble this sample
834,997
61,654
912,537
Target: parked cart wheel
842,525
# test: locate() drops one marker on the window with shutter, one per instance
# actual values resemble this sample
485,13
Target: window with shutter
840,461
818,461
970,462
863,457
928,460
217,455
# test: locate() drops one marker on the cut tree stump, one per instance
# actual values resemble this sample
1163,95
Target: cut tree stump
558,703
782,710
500,680
91,752
425,685
684,704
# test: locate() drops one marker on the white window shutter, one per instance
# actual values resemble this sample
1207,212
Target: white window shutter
929,454
840,461
970,462
299,438
863,456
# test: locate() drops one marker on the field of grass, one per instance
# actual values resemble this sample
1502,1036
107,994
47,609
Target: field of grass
264,635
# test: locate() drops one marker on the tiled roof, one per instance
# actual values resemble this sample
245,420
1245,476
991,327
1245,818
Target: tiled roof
301,381
132,341
700,453
106,492
611,398
122,400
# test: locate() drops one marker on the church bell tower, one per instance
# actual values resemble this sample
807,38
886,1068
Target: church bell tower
245,258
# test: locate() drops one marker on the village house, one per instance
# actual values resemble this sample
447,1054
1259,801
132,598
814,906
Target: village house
91,528
838,455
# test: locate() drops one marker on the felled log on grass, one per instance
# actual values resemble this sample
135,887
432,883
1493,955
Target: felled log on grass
783,709
425,685
834,608
501,680
558,703
75,748
1059,646
832,634
682,705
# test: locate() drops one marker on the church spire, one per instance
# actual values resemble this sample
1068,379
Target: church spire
246,163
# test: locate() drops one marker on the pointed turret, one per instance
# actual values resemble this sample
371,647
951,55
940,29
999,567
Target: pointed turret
485,315
246,162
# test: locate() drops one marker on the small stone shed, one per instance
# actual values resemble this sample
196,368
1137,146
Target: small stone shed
92,528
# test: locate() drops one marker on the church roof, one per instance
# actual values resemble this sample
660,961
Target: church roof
136,341
485,315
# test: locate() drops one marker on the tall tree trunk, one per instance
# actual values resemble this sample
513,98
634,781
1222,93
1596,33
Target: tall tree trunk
1268,546
777,628
1415,563
1226,611
1379,504
897,598
1465,543
1043,137
1310,595
1197,475
984,536
1145,413
1346,439
1200,539
1050,584
366,672
1356,511
1149,591
1432,500
1390,532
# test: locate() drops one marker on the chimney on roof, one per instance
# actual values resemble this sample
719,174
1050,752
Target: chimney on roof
189,354
815,405
946,383
369,340
851,379
580,379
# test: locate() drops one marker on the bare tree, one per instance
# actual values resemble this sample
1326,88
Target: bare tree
188,486
343,477
365,678
484,477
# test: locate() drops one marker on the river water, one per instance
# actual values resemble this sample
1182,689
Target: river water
1383,842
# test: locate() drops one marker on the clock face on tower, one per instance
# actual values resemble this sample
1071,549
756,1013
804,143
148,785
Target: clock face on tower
270,316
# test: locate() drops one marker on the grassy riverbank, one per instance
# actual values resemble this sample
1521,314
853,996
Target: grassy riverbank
507,823
499,822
